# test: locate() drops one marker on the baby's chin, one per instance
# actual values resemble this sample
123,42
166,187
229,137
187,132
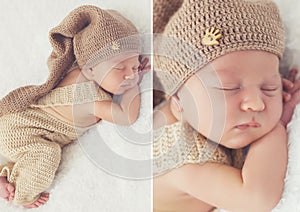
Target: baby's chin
118,92
121,90
240,141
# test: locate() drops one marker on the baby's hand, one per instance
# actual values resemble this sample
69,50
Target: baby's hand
291,96
143,67
288,84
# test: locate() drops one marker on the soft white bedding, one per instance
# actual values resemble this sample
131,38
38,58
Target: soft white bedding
290,201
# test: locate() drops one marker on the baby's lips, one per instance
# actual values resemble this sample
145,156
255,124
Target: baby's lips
252,124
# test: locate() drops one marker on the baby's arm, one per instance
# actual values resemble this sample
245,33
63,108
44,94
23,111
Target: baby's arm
293,93
125,113
257,187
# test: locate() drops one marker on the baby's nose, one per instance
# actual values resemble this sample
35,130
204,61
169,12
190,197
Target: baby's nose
129,77
252,101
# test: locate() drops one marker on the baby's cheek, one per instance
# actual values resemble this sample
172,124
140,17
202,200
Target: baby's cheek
200,116
276,111
274,105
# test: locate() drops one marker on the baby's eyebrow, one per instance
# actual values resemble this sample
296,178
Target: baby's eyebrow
273,77
276,75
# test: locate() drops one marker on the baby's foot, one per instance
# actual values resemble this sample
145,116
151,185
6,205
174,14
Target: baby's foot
44,197
7,191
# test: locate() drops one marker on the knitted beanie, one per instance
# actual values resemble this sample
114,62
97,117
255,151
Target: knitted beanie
203,30
88,35
162,12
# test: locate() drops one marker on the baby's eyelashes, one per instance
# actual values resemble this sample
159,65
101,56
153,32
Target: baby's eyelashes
135,68
229,89
119,68
270,91
238,88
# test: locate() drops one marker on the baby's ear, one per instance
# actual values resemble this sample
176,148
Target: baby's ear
88,73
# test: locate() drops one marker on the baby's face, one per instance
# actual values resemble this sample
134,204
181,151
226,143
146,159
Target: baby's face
236,99
118,74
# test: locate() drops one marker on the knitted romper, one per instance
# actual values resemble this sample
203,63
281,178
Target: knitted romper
178,144
32,139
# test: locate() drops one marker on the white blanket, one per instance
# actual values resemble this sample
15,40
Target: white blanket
290,201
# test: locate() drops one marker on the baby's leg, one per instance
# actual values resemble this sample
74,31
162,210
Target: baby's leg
34,169
7,191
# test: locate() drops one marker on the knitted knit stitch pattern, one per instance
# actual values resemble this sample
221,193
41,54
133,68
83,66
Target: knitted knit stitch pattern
162,12
73,94
178,144
239,25
32,139
88,35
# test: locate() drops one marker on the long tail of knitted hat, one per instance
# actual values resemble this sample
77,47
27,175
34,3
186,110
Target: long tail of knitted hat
87,35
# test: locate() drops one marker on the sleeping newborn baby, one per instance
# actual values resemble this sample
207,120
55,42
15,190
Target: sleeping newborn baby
91,62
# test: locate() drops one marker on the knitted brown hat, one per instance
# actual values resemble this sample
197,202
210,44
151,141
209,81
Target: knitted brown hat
162,12
203,30
87,35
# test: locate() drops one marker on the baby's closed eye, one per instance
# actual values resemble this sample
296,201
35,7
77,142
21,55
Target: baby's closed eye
120,68
228,87
270,90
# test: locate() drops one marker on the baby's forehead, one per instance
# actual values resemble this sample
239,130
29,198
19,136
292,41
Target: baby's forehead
242,63
122,59
210,74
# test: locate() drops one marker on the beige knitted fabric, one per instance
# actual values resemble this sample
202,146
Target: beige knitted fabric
88,35
162,12
32,140
178,144
73,94
201,31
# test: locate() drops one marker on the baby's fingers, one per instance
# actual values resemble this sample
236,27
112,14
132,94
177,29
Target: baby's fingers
287,84
143,64
296,87
292,75
147,68
286,96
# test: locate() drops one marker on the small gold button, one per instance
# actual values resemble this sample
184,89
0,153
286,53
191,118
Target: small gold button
115,45
211,37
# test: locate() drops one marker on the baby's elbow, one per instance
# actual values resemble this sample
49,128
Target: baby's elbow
271,200
265,205
260,200
126,120
132,119
265,202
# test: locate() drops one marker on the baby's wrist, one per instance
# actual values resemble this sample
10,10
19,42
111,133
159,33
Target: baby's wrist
282,123
287,113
